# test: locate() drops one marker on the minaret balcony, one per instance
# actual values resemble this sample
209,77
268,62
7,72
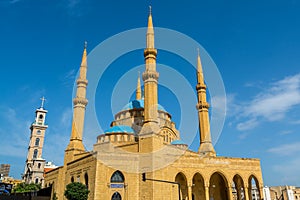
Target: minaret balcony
148,75
150,52
202,105
80,101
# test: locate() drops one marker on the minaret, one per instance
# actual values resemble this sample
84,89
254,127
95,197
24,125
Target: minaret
75,145
138,89
206,147
150,78
34,168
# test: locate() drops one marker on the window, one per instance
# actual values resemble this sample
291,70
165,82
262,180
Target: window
37,141
38,132
39,165
72,179
117,177
86,180
36,180
116,196
41,117
35,152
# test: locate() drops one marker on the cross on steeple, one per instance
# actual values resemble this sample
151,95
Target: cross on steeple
43,101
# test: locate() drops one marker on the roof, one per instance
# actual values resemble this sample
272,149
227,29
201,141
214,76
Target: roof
139,104
178,142
120,129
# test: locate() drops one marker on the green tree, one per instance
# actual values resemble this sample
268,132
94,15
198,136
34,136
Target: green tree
24,187
76,191
54,196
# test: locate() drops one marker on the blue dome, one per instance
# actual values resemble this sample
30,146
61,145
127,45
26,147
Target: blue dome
179,142
139,104
120,129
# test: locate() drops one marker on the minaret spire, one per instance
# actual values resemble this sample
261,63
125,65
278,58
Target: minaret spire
150,30
139,89
150,78
206,147
79,103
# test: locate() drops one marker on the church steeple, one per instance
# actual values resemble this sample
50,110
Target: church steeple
150,76
206,147
34,168
138,89
79,104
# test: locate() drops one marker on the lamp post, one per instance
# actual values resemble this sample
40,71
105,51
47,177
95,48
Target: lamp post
162,181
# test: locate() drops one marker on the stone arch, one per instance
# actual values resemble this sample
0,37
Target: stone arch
198,188
218,187
181,179
117,177
238,187
116,196
253,188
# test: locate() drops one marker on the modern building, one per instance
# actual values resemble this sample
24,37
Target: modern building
34,167
282,193
142,156
4,170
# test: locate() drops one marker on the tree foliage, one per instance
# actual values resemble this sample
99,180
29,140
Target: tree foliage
76,191
24,187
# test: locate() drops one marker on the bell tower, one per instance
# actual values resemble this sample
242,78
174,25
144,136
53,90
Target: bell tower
34,168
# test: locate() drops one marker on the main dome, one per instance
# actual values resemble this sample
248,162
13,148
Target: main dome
139,104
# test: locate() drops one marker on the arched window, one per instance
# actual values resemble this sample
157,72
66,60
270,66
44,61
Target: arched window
116,196
86,180
39,165
36,180
37,141
41,116
35,152
38,132
72,179
117,177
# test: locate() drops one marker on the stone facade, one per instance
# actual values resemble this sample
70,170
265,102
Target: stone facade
143,140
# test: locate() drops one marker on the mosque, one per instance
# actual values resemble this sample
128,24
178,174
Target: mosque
141,155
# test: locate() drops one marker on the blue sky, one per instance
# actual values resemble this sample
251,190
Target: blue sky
255,45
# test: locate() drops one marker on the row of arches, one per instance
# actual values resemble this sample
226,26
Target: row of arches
219,187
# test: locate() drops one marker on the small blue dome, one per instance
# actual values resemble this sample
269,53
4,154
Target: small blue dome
120,129
139,104
179,142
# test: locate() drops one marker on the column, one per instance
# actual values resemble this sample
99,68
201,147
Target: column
190,191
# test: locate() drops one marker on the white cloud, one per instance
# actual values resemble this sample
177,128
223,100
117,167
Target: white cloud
247,125
286,149
271,104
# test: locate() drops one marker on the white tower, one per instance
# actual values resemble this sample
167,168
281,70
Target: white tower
34,168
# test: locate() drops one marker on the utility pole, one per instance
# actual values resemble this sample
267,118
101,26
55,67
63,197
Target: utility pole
162,181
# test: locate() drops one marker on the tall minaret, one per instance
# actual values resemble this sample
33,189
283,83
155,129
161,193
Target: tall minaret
206,147
75,145
34,168
150,78
138,89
